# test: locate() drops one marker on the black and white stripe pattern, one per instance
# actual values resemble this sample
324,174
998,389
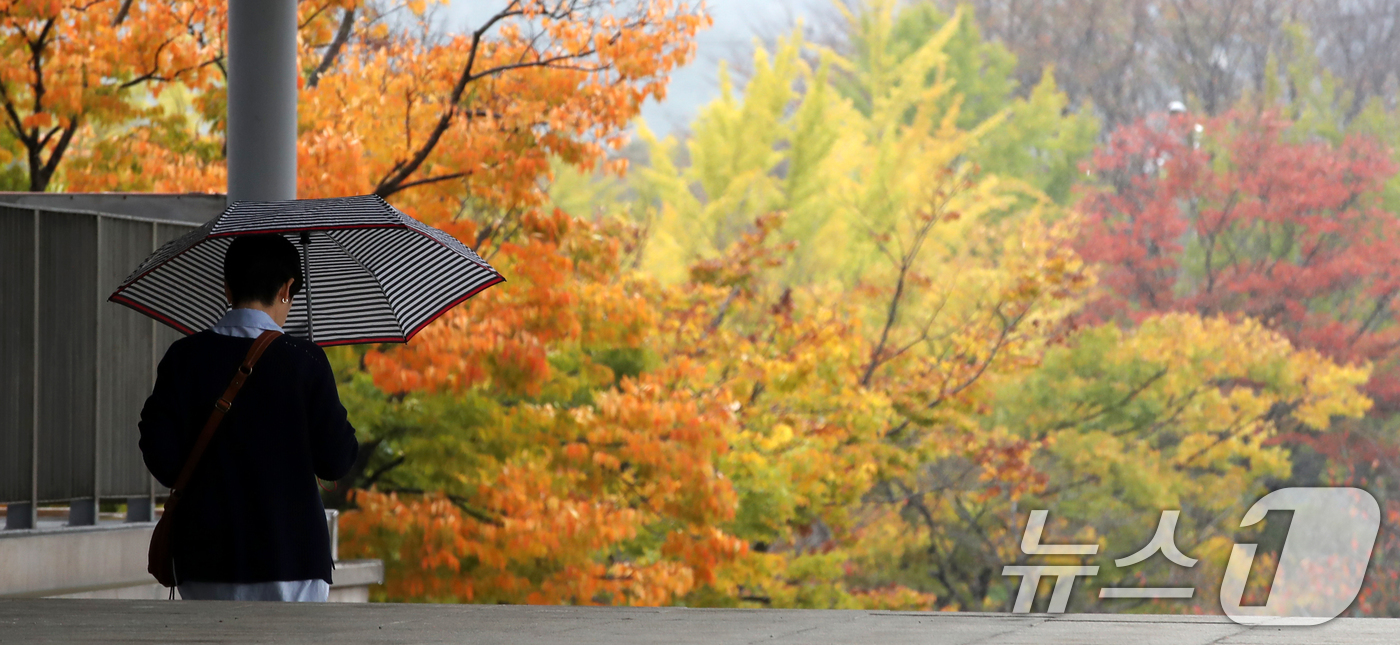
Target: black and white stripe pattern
376,275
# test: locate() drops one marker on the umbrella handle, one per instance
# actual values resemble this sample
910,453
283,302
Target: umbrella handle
306,284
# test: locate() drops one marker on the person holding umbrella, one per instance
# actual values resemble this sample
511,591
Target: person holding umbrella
326,272
251,524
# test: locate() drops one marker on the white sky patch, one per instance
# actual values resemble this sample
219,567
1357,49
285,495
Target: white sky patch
735,24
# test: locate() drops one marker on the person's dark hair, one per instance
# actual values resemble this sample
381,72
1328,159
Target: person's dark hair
256,266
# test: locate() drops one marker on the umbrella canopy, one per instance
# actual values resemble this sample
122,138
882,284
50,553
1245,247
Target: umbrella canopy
372,273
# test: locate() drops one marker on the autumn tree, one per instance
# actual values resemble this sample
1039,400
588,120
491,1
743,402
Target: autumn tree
1240,217
771,151
167,133
483,111
523,455
1178,413
790,138
1042,136
476,117
1234,219
71,67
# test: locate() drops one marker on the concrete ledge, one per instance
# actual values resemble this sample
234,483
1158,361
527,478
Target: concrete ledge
42,562
108,561
358,572
127,621
143,590
351,579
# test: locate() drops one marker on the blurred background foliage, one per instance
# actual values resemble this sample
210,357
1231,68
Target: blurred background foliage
906,279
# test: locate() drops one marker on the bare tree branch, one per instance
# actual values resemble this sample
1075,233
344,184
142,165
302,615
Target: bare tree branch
393,181
347,21
122,13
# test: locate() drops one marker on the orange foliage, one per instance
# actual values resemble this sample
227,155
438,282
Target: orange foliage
482,112
440,124
502,340
66,66
640,461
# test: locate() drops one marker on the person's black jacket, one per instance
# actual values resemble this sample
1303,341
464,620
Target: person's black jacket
251,512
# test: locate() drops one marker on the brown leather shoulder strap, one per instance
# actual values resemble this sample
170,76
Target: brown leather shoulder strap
222,406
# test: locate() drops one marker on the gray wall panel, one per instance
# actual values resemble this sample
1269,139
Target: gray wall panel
97,359
67,354
125,364
16,351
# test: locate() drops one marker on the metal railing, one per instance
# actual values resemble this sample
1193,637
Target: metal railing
74,368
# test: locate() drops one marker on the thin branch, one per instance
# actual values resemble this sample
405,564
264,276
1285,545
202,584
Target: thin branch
57,154
545,62
342,35
891,315
433,180
383,470
1127,398
48,136
1382,303
320,10
154,75
122,13
723,309
16,123
394,180
458,501
1006,327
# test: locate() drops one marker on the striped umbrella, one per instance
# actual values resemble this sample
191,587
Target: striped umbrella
373,274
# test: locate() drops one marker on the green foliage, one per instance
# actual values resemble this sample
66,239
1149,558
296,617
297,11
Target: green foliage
1040,143
798,141
747,157
1176,414
436,435
14,174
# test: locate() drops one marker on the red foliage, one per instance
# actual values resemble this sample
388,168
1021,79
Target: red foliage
1234,218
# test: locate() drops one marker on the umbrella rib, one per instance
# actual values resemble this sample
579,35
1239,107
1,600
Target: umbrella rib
167,320
497,279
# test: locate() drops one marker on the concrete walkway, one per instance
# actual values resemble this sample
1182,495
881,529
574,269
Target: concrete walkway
136,621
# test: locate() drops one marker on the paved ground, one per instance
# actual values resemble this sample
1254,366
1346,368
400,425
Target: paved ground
138,621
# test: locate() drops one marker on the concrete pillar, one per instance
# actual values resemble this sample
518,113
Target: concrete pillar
333,526
19,515
140,509
262,100
83,512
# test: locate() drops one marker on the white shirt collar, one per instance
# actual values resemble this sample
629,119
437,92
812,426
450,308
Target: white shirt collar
244,323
